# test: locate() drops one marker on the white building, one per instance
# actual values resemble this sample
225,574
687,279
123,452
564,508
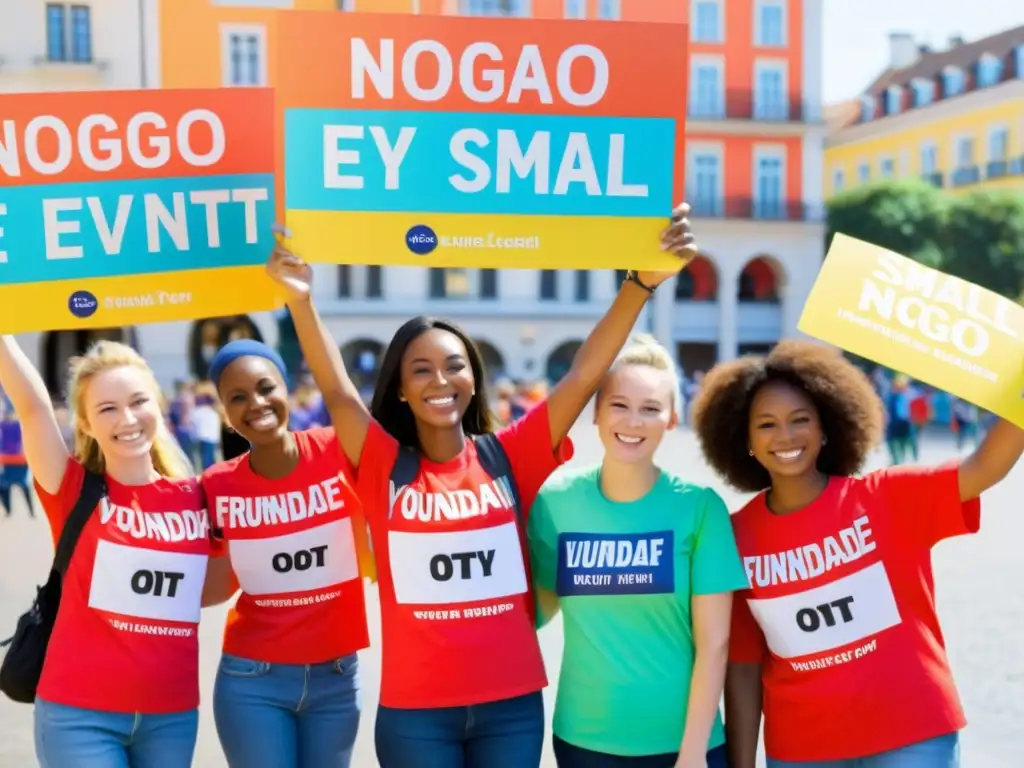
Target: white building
76,46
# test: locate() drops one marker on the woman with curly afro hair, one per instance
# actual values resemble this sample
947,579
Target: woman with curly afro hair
837,641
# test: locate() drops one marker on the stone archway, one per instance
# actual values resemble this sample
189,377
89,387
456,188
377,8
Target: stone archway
762,280
699,281
60,346
494,361
362,361
211,334
560,359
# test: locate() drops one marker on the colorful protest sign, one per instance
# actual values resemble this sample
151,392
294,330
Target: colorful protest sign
458,141
931,326
132,207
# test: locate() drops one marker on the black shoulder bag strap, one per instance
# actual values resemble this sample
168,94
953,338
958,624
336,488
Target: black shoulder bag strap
495,462
93,488
405,470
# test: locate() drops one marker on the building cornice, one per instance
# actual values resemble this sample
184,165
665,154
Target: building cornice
936,112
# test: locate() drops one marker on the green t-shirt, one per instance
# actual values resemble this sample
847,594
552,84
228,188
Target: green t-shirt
624,574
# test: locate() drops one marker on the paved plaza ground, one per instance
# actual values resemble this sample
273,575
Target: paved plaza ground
980,598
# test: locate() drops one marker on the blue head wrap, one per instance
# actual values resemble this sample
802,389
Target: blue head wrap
243,348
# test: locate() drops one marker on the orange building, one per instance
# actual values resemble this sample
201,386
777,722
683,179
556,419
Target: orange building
754,162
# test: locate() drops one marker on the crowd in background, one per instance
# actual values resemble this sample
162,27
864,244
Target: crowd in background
197,420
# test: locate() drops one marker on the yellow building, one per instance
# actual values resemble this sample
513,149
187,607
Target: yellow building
954,117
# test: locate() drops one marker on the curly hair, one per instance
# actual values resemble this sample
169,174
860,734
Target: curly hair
851,413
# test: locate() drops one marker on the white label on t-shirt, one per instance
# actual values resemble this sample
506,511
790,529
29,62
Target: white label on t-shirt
830,616
297,562
456,566
147,583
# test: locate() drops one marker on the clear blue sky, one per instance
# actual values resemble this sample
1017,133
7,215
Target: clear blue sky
856,45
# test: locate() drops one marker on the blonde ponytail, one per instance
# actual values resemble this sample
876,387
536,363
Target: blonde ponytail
168,458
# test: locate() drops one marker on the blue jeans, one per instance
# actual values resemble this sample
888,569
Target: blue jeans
940,752
499,734
88,738
287,715
14,476
570,756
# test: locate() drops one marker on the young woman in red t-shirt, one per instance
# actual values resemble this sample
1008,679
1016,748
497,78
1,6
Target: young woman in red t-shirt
462,668
838,634
120,684
287,689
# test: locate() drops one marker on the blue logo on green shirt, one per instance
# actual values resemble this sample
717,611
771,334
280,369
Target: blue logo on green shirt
610,564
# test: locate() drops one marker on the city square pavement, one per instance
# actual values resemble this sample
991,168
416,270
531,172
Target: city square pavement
979,586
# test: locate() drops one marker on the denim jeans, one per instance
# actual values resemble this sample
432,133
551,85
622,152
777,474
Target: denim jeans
287,715
499,734
70,737
940,752
11,477
570,756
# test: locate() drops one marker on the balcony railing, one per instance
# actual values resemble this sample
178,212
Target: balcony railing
738,104
756,209
965,176
996,169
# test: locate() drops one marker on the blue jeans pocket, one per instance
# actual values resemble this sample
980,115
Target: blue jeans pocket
236,666
346,665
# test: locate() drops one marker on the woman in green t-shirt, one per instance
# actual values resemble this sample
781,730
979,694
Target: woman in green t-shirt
643,566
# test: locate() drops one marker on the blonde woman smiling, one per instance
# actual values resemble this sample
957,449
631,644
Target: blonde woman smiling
643,565
120,684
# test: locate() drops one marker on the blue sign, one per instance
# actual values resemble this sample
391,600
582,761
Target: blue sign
474,162
615,564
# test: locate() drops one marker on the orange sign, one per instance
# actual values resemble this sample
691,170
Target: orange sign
465,141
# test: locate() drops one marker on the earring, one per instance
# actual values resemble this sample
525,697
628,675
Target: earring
401,399
751,453
824,441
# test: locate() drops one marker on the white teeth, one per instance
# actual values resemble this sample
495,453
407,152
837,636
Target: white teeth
128,437
265,419
787,455
441,400
628,439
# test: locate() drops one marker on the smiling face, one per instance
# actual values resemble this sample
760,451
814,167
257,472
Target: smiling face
255,399
634,411
785,430
437,379
121,412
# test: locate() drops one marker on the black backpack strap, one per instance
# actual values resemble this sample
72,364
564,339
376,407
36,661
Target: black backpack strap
93,488
495,462
404,471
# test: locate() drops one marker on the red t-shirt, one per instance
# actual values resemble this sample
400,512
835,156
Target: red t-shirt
841,614
298,546
456,615
126,633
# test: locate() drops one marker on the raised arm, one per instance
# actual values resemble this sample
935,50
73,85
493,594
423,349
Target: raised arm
570,395
992,460
45,451
349,414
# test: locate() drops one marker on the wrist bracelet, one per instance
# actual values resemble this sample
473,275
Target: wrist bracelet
632,277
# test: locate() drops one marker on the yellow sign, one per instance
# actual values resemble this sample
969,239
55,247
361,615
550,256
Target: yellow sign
933,327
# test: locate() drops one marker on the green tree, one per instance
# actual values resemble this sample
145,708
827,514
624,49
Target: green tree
983,241
906,216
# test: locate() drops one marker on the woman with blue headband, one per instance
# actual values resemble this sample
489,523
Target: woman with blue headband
287,692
